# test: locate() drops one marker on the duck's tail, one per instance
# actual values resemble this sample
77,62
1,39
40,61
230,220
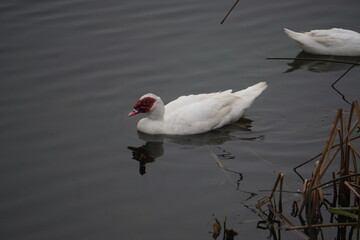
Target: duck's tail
292,34
252,92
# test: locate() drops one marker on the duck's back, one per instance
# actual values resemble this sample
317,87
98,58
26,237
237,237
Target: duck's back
335,41
200,113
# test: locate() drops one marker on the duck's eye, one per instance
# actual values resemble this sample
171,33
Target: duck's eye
147,102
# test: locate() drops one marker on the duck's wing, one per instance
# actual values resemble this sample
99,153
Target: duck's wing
330,38
184,101
210,112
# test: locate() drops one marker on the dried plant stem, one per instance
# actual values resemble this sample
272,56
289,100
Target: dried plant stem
352,189
346,185
280,180
284,220
322,225
354,185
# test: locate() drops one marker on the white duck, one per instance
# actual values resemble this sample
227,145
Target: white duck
194,114
335,41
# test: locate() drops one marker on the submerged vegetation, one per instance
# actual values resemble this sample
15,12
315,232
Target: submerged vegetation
341,186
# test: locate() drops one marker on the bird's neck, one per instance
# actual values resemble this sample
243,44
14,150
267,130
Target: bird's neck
157,112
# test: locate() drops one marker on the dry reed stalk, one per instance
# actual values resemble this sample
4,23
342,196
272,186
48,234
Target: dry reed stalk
322,225
280,179
305,195
352,189
354,110
285,221
328,146
311,199
340,133
334,189
349,128
281,193
354,155
314,204
354,185
329,162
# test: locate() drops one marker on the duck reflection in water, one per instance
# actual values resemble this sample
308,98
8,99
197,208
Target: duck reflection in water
153,148
313,63
147,154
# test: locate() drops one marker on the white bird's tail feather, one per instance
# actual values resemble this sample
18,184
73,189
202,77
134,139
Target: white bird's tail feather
252,92
292,34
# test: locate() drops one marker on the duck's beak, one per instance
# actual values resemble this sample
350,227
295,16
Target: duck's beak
133,113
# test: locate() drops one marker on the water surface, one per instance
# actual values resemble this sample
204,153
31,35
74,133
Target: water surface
71,71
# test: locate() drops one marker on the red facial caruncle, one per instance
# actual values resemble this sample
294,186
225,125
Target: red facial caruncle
142,106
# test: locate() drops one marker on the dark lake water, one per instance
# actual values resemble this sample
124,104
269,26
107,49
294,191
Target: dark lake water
70,72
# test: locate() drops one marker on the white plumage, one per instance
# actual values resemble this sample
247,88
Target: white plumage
335,41
194,114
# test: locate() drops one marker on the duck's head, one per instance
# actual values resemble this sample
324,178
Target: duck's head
145,104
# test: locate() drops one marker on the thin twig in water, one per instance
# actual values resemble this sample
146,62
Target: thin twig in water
335,180
313,158
230,11
333,85
315,59
225,170
353,65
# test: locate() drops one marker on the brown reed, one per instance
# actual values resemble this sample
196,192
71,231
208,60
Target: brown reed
345,184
